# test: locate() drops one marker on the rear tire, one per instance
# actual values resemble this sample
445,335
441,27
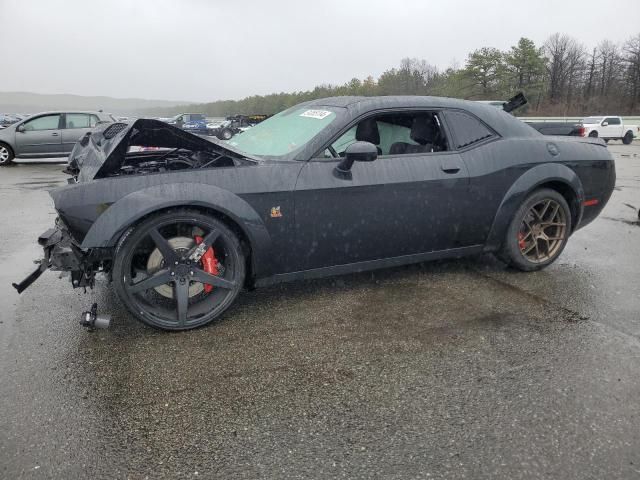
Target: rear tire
628,138
538,231
593,134
161,286
6,155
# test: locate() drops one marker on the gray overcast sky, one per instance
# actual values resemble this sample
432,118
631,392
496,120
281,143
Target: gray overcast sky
207,50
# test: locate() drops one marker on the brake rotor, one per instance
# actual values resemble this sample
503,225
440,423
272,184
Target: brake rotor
156,261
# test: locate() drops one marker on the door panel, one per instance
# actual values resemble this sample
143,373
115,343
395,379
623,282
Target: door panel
613,129
41,137
396,205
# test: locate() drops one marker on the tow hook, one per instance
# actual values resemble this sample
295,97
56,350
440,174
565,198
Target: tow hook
91,320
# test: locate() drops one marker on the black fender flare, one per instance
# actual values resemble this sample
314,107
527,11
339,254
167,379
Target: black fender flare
110,226
525,184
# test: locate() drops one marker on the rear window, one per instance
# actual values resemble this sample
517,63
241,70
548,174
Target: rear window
79,120
467,129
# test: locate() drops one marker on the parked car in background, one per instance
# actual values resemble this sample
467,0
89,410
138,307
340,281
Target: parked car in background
7,119
609,128
235,124
48,134
191,122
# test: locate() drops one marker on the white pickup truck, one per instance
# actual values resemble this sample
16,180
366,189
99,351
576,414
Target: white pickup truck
609,128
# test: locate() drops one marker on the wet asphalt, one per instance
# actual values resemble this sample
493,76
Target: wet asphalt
454,369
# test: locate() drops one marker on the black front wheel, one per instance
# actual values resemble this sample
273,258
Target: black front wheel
168,280
628,138
225,134
538,231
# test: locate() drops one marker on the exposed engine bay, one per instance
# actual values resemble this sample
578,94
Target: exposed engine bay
137,163
146,146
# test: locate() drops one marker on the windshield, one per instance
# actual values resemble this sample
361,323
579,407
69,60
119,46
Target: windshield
592,120
284,133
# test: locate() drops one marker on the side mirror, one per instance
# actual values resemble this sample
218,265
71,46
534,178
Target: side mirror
20,128
604,124
358,152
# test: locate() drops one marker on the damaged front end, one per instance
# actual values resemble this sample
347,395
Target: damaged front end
61,253
123,149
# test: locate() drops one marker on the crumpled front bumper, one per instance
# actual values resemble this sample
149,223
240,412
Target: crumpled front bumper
60,254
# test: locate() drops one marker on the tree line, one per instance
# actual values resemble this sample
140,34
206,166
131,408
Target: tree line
559,77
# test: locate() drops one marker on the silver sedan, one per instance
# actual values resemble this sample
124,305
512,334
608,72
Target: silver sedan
47,135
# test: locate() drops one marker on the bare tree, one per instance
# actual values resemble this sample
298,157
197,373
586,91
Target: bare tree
565,65
610,67
631,61
591,75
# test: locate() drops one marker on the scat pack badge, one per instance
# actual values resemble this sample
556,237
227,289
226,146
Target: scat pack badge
275,212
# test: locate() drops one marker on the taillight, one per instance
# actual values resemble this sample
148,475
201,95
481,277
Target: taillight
582,131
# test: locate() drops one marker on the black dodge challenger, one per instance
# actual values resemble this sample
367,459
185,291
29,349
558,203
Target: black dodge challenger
327,187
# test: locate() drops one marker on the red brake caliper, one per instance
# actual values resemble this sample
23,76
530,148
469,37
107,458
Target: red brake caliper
521,242
209,263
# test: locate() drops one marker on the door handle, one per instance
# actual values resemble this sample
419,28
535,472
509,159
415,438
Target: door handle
55,134
450,165
450,168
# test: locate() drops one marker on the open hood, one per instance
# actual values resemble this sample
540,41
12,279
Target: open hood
107,150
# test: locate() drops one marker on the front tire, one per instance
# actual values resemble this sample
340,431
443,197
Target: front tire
225,134
538,231
628,138
6,155
164,288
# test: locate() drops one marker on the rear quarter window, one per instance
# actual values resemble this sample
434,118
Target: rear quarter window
467,129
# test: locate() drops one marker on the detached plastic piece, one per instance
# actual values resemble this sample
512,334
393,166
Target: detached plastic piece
515,102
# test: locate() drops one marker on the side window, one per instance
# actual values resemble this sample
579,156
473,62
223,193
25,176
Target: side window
93,121
613,120
402,133
78,120
467,129
48,122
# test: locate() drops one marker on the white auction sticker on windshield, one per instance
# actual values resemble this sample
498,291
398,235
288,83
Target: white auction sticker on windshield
319,114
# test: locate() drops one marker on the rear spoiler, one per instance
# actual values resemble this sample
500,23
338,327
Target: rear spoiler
514,102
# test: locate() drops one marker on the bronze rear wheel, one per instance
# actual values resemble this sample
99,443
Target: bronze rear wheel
543,231
538,232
